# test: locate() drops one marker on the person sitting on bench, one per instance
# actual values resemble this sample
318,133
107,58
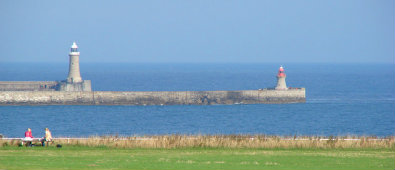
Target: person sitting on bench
28,137
47,138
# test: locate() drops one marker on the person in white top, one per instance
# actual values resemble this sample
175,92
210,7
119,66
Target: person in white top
47,138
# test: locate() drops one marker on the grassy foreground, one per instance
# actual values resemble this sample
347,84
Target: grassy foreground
84,157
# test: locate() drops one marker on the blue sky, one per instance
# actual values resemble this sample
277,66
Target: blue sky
305,31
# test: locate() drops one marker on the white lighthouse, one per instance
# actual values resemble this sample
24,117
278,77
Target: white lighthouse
74,81
281,85
74,65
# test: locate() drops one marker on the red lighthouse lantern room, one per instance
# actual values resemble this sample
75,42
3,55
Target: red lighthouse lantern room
281,72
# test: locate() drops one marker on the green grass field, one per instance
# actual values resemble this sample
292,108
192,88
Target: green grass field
77,157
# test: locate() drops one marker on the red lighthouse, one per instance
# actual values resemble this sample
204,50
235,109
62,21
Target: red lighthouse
281,85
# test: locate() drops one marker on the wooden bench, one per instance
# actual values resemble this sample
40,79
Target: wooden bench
34,141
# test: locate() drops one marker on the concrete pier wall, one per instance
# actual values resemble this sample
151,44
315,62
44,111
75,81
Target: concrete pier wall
28,85
84,85
151,97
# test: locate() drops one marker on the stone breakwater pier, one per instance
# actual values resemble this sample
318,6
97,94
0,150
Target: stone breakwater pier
76,91
151,97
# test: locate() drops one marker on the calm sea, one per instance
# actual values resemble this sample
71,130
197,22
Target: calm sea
342,99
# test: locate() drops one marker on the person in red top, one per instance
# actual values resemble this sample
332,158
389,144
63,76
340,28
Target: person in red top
28,137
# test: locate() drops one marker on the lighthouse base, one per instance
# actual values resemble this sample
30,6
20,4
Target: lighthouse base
85,85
